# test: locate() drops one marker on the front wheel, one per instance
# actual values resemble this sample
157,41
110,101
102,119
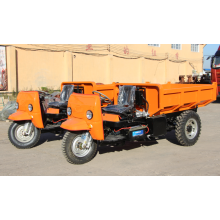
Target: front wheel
20,139
188,128
78,147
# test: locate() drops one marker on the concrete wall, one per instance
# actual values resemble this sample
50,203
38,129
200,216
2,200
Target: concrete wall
37,69
90,68
28,69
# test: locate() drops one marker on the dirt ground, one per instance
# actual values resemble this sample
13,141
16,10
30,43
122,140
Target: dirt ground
163,157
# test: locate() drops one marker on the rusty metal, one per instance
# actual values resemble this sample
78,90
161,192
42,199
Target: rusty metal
181,78
189,78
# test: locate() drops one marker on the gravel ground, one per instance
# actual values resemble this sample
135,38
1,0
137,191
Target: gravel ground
163,157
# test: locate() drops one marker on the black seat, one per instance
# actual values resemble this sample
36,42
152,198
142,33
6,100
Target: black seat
126,98
64,97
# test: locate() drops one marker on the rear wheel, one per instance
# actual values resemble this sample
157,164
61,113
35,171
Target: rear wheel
74,150
188,128
21,140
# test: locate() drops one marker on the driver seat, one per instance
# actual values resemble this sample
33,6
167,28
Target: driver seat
126,98
64,97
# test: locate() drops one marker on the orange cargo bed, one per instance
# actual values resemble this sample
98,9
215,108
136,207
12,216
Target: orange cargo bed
169,98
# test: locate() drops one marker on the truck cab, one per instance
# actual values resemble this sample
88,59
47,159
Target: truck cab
215,69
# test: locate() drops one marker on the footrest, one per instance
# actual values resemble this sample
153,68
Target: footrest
50,127
114,138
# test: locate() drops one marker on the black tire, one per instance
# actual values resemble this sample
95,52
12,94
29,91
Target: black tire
186,132
19,144
70,156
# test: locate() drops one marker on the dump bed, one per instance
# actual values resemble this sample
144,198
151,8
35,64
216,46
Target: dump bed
169,98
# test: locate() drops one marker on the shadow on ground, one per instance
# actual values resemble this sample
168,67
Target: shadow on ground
170,136
217,101
124,146
108,148
48,137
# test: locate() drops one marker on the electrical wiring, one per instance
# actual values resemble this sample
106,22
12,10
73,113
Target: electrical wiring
59,120
121,129
147,130
129,128
146,102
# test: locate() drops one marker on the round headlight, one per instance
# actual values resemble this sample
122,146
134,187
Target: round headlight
69,111
89,114
16,105
30,107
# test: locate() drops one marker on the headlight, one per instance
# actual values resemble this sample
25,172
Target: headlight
89,114
69,111
30,107
16,105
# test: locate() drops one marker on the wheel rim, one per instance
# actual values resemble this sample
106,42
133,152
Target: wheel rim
191,128
77,147
19,135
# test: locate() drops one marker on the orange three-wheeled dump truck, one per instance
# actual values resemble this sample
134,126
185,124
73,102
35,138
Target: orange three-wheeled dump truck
37,114
139,111
93,114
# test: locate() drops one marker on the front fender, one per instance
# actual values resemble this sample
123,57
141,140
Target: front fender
75,124
19,116
24,116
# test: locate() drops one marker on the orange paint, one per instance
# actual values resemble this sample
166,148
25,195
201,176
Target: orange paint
52,111
106,89
75,124
169,98
19,116
80,104
32,97
110,117
24,99
163,99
